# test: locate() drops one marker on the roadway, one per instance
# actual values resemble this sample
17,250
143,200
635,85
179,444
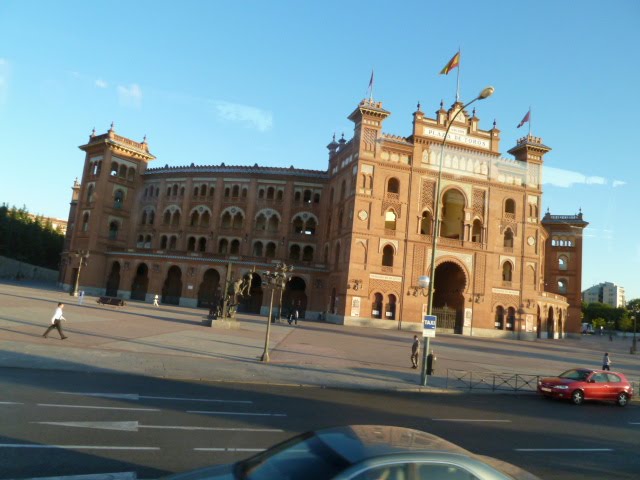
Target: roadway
58,423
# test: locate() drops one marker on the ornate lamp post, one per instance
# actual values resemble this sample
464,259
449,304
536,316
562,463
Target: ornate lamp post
275,280
485,93
82,256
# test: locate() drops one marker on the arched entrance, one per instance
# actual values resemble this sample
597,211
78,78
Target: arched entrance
113,282
209,293
448,296
253,302
294,296
140,283
550,322
172,288
560,326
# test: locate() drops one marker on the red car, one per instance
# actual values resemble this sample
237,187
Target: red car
580,384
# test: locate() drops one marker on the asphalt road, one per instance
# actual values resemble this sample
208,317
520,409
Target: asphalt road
69,423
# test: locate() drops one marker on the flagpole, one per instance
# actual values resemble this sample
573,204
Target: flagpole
458,77
529,121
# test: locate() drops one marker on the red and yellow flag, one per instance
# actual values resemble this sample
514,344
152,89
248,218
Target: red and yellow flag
453,63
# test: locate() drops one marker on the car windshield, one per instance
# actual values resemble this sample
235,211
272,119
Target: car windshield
304,456
575,374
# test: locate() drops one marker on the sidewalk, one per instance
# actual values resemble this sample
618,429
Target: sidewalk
171,342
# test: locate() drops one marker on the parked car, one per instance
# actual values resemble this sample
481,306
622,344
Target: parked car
580,384
363,452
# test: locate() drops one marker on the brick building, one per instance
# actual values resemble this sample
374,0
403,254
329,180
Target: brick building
359,234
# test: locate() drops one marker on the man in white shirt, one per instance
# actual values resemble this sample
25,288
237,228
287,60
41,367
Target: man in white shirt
56,322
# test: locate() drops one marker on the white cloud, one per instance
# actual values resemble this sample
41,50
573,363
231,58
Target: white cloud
618,183
567,178
101,83
250,116
4,80
130,96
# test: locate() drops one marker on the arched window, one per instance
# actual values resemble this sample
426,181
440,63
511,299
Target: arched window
390,220
307,254
168,191
511,318
223,246
453,203
261,222
196,191
296,197
152,217
212,190
270,251
563,262
270,193
235,191
163,242
122,172
387,256
118,199
182,191
510,206
114,169
507,271
244,192
167,218
376,306
140,241
562,286
393,185
175,218
85,222
508,238
425,223
226,220
476,231
147,241
191,244
257,249
205,219
131,174
273,224
316,198
195,218
390,310
90,193
143,220
238,220
294,253
310,227
227,192
261,193
234,249
173,242
499,320
113,230
298,225
306,198
174,190
202,244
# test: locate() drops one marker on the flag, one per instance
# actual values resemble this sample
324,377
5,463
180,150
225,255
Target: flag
525,119
371,81
453,63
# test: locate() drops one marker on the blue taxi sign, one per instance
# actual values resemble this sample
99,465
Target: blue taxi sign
429,326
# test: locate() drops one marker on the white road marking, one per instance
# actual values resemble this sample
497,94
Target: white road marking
136,397
469,420
206,412
122,426
11,403
134,426
75,447
634,423
97,408
229,449
219,429
563,449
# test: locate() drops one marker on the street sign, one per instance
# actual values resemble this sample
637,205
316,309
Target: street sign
429,326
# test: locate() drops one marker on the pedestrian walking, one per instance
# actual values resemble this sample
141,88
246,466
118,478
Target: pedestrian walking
155,301
606,362
415,352
56,322
81,297
290,318
296,315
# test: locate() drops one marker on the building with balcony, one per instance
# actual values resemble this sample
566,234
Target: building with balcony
359,234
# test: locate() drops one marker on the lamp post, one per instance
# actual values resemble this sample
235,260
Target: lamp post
82,256
521,312
633,343
275,280
423,283
485,93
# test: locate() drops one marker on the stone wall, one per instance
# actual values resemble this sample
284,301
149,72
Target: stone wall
15,270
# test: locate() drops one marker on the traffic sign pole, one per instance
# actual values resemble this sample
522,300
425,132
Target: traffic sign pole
428,330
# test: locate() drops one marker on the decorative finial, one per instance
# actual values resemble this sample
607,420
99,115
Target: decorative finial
418,106
494,123
474,112
112,127
334,136
93,132
144,139
441,104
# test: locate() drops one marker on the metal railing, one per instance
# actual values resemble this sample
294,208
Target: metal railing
491,381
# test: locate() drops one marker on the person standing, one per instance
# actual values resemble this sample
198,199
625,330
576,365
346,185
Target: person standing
81,297
296,315
415,352
155,301
606,362
56,322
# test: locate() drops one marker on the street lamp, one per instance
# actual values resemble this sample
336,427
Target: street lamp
521,312
82,256
485,93
275,280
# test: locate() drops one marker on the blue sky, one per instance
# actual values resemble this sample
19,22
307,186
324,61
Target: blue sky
246,82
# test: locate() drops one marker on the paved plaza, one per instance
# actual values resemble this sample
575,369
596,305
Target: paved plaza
172,342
